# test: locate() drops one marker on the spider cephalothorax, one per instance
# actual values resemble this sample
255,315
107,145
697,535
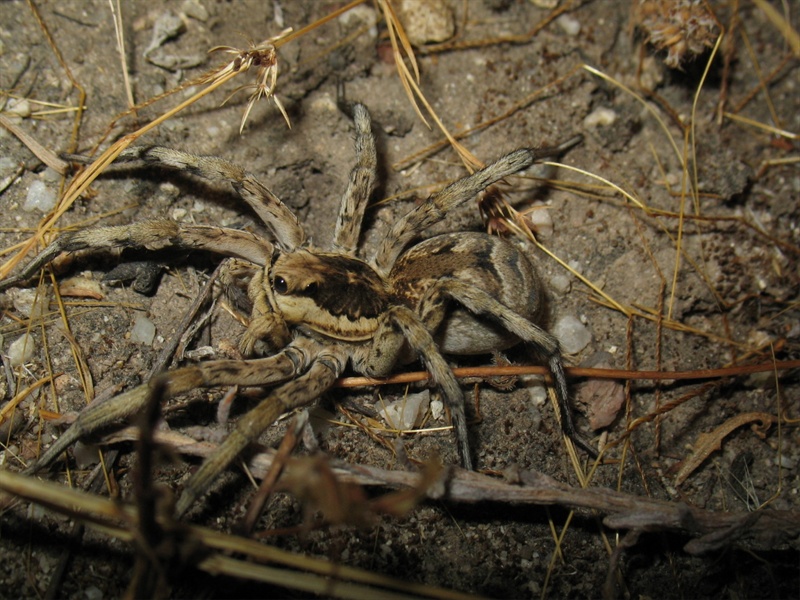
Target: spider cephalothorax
338,296
316,311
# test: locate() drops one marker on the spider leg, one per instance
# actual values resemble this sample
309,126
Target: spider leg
362,183
458,192
265,371
433,309
398,326
323,371
153,235
275,214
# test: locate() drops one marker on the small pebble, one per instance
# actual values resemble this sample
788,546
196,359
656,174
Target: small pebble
364,14
426,21
538,394
8,166
36,512
50,175
167,26
21,350
29,302
569,24
19,107
406,412
40,197
437,409
143,331
93,593
576,266
560,283
541,221
572,334
600,117
195,10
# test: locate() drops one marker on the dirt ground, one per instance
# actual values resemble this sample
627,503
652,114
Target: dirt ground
704,279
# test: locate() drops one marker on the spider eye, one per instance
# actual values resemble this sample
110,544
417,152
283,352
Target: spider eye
280,285
311,288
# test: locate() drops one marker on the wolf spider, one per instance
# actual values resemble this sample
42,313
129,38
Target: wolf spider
315,310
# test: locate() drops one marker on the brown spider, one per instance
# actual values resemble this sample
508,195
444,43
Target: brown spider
456,294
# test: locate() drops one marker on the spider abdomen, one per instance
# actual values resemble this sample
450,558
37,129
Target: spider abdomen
487,263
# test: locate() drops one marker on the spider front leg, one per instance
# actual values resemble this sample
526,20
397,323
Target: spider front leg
275,214
362,183
324,370
396,327
152,235
265,371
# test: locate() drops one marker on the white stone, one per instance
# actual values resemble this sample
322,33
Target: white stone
437,409
19,107
600,117
362,14
541,221
538,394
560,283
569,24
40,197
143,331
426,21
21,350
195,10
573,335
406,412
93,593
50,175
29,302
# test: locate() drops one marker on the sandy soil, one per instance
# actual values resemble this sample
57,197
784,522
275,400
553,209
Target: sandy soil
728,298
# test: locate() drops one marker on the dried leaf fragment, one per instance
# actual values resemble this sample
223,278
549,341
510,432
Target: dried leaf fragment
81,287
709,442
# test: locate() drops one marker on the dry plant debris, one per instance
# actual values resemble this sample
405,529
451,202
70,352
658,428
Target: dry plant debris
674,241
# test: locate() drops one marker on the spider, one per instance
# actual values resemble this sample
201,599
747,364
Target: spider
317,311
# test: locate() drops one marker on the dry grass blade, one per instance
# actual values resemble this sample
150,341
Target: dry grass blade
46,156
119,32
74,82
399,39
791,135
243,61
118,520
645,104
782,25
403,51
